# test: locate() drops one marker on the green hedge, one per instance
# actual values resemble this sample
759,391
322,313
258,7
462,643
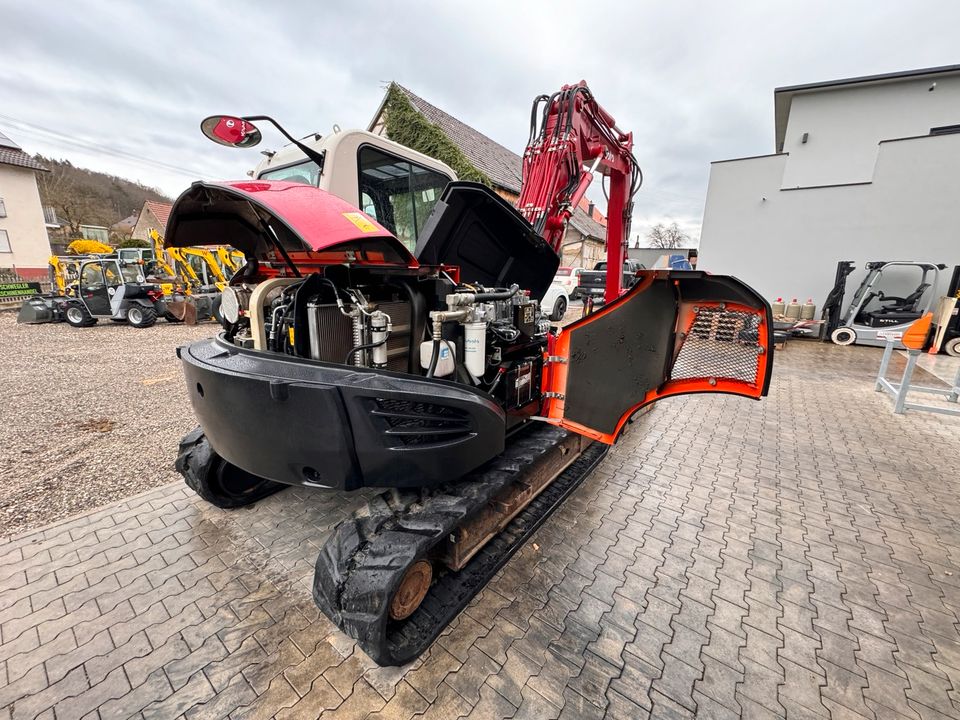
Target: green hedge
407,126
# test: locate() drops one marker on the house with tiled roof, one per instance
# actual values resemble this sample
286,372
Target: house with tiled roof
583,243
125,227
24,247
153,216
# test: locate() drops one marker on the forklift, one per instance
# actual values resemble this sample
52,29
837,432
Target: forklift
872,315
947,334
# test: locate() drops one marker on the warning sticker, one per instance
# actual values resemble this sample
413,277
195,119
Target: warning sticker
361,221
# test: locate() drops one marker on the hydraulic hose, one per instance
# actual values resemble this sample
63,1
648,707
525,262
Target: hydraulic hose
470,298
434,356
417,325
249,270
366,346
504,295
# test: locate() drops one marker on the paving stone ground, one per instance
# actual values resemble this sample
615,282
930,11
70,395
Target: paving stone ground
795,557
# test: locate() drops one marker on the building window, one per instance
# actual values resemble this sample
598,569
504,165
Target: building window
3,209
95,232
399,194
4,242
945,130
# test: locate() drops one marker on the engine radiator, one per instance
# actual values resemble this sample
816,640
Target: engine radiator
332,334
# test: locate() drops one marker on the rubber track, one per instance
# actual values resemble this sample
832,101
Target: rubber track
363,561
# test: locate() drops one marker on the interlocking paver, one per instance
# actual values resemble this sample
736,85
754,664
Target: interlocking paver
318,698
344,676
727,558
437,664
275,698
114,685
99,666
489,705
407,702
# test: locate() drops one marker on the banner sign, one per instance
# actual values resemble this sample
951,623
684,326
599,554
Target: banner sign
19,289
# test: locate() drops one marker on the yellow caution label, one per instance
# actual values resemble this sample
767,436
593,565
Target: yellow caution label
361,221
290,334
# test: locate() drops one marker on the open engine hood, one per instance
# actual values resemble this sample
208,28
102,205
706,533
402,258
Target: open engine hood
304,218
493,244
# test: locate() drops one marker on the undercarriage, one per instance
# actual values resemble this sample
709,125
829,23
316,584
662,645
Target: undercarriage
348,361
398,572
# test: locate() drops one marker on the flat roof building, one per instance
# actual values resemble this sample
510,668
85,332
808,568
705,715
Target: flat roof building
864,168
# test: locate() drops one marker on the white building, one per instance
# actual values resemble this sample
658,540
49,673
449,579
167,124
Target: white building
866,168
24,247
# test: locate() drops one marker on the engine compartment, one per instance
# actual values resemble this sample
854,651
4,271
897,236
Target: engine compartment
417,321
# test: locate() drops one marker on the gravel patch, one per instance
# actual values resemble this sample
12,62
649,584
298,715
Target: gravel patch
90,415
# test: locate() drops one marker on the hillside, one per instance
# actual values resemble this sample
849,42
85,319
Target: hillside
86,197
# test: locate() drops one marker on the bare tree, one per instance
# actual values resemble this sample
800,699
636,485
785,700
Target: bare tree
667,236
74,206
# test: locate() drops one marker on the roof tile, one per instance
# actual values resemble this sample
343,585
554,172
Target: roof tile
504,167
160,210
12,156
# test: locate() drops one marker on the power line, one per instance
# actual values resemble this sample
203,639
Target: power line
40,132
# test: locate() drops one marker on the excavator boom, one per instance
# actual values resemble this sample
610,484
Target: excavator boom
571,138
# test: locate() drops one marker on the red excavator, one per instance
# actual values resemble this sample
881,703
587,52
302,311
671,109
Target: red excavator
348,361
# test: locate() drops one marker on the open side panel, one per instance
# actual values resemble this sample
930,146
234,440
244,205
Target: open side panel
488,239
673,333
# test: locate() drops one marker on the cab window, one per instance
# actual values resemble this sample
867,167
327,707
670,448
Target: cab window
399,194
305,172
130,272
199,267
113,274
91,278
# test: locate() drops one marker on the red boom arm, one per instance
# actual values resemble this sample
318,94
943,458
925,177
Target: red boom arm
571,138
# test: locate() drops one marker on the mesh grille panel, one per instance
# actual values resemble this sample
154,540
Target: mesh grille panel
418,423
720,344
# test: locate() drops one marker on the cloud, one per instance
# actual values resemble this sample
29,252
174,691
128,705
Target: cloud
693,81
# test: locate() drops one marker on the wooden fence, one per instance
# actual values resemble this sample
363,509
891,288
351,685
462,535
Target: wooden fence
13,302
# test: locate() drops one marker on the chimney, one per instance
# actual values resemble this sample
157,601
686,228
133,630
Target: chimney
590,209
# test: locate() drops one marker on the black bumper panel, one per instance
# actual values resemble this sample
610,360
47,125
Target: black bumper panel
301,422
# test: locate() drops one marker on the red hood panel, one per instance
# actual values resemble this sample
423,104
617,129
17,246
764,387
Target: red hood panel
221,213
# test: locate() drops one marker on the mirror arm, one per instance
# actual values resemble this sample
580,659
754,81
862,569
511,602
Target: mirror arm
311,154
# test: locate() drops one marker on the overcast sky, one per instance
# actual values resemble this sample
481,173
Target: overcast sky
121,87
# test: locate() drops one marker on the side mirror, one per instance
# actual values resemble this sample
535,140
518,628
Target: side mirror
232,131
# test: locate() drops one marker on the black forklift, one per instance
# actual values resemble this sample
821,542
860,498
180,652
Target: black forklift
947,335
104,288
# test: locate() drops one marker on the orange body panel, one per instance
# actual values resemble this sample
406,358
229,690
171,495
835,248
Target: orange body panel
555,379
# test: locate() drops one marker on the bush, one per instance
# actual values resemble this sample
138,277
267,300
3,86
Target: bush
132,242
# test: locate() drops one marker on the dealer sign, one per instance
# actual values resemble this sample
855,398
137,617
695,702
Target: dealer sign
19,289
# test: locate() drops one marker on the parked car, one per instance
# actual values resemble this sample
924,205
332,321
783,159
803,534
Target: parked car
593,283
556,301
568,277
